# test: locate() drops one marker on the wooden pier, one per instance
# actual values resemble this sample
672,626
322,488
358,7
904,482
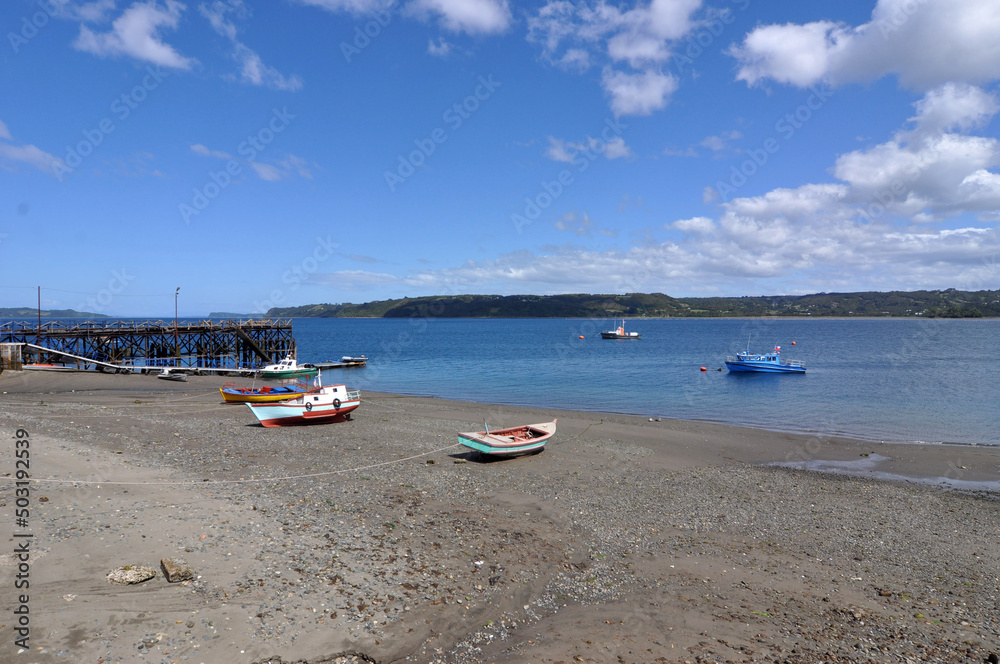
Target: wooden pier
230,346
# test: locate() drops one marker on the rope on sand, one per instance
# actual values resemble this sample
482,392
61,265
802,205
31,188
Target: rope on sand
211,482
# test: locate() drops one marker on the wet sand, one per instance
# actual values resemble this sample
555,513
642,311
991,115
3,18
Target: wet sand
381,539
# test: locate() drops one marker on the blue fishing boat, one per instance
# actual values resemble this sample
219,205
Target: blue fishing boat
766,363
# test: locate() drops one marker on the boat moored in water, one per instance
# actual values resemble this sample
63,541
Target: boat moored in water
620,333
347,361
287,368
763,363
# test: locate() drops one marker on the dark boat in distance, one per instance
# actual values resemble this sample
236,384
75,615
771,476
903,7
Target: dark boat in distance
345,362
620,333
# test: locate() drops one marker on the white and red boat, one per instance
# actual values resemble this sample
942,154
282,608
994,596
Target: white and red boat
333,403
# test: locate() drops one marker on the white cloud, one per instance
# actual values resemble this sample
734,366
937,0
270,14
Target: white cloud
637,94
355,279
252,67
795,54
282,169
198,148
702,225
470,16
579,224
686,152
955,106
91,12
642,38
30,155
559,151
924,42
930,173
356,7
27,154
575,58
298,165
254,71
617,149
567,151
720,142
268,172
136,34
442,49
899,215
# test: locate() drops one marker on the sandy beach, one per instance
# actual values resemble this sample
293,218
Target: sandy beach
382,540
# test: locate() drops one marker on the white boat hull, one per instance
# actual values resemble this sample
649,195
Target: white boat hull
329,404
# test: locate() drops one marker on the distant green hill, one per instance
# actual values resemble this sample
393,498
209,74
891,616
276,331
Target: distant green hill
949,303
27,313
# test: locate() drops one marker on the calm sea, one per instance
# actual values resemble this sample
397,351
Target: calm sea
877,379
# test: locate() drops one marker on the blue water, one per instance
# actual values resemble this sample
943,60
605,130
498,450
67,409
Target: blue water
907,380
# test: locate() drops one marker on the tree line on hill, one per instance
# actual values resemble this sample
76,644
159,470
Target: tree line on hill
30,313
948,303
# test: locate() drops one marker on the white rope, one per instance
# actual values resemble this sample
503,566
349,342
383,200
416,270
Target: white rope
211,482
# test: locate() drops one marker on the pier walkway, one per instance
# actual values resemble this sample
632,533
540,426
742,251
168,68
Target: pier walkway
228,346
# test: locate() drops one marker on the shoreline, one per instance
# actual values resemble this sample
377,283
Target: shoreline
660,541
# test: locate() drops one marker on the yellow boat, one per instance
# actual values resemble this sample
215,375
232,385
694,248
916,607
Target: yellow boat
233,393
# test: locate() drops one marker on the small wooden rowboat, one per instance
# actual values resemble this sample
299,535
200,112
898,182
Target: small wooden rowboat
509,442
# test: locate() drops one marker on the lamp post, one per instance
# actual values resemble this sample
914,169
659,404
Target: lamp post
177,345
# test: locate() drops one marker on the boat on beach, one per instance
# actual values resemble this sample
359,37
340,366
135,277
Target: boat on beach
167,374
620,333
763,363
233,393
287,368
511,441
47,367
333,403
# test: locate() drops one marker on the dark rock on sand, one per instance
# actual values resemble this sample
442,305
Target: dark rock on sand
176,570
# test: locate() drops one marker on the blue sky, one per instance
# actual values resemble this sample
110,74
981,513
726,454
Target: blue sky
302,151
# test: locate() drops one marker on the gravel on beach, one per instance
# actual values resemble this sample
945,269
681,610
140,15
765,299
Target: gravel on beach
382,540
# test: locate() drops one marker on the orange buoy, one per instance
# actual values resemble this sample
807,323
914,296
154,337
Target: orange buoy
793,343
704,369
581,336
